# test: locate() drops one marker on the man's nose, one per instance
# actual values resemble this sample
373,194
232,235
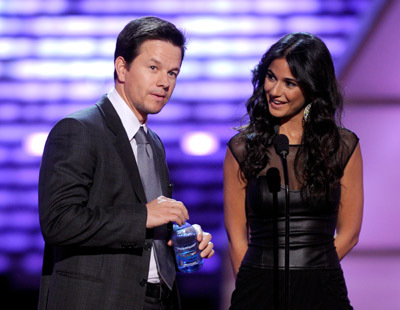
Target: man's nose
163,80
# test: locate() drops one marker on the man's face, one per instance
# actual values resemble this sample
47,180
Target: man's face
147,84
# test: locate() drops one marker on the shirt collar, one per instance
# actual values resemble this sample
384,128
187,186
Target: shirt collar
128,118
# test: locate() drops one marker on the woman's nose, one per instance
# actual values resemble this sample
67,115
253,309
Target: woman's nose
276,89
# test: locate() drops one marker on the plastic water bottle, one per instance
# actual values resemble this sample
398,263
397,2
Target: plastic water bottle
186,248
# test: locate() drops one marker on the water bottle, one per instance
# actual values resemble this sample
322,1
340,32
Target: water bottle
186,248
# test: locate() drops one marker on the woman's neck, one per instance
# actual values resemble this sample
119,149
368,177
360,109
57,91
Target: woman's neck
293,130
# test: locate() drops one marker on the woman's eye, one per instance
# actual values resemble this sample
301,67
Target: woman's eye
270,76
153,67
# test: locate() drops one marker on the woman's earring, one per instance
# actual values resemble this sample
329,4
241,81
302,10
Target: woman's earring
306,112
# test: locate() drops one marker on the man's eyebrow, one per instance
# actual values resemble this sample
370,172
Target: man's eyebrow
159,63
155,60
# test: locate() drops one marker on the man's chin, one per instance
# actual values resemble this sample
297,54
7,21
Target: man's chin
156,109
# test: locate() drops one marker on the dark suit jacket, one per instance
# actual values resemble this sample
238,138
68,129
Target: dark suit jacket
93,214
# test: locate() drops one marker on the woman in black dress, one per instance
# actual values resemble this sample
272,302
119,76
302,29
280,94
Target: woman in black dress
295,94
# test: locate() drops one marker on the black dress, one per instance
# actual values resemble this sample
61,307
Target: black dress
316,277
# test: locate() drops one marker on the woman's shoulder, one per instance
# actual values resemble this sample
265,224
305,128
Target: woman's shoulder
237,139
344,132
348,137
237,146
349,142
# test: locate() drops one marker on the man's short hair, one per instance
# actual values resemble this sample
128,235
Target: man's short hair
142,29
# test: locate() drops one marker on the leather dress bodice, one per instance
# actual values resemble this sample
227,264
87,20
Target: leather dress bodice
312,229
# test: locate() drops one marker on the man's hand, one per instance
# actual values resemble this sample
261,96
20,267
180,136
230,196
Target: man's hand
205,245
163,210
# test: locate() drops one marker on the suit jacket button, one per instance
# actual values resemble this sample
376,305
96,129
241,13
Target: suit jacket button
143,282
147,246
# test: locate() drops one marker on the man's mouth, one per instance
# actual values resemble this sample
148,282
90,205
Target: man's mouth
160,96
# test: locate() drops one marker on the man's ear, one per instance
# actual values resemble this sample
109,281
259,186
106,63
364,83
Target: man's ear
120,68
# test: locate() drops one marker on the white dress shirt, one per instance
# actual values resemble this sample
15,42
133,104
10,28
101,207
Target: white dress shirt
132,125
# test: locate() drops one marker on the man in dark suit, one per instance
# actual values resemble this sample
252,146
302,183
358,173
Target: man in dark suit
104,224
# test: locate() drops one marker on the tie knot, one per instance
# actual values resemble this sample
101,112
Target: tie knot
140,136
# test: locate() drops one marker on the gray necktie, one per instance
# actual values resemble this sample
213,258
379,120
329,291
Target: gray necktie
152,187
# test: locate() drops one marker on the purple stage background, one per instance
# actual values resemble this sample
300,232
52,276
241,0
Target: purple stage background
57,57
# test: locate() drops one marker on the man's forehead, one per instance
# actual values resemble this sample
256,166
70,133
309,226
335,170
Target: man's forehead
151,45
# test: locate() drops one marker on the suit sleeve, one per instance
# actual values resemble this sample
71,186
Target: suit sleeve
68,216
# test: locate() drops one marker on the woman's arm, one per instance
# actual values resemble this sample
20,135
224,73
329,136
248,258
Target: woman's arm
234,210
351,205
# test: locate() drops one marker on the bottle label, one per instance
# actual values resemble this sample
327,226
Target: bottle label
185,248
191,264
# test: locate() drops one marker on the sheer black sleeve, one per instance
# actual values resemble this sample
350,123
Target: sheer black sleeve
237,146
349,143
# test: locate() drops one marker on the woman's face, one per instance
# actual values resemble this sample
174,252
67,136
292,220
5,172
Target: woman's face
284,96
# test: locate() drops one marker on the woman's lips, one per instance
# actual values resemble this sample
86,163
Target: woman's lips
275,102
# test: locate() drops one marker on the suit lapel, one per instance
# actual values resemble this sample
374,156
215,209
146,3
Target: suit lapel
122,145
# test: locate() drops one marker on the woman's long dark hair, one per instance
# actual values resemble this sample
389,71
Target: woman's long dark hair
311,64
